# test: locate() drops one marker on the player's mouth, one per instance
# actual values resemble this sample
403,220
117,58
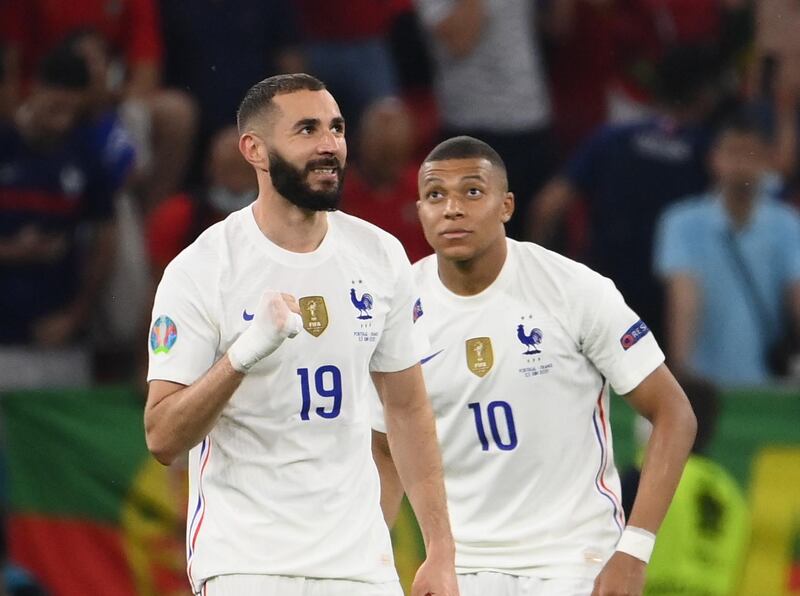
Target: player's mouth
327,170
455,234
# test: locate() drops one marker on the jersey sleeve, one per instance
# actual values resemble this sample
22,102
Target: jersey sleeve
402,344
614,338
184,336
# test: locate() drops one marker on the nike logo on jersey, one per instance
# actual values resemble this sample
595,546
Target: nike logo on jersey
431,357
247,316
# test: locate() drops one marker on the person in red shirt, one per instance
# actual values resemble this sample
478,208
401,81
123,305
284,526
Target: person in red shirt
382,187
177,221
161,120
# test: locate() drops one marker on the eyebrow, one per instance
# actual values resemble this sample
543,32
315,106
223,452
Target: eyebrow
478,177
312,122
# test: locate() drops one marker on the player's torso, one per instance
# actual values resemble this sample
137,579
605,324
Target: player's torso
516,404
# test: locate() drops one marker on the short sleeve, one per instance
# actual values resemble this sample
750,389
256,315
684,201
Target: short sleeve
614,338
402,344
376,410
673,246
184,337
433,12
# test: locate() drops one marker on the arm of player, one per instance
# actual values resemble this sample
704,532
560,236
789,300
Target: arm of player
391,488
660,399
412,439
177,417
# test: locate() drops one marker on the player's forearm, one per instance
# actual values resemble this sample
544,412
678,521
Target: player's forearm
178,421
391,487
674,429
415,450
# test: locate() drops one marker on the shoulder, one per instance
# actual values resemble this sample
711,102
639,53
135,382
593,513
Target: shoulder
366,237
692,210
781,214
423,269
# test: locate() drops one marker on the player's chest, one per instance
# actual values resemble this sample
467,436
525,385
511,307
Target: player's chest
342,305
510,352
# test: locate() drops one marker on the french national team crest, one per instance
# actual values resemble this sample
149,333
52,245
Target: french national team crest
480,357
314,314
530,339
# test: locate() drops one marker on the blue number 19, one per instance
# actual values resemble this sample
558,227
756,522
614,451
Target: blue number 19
491,410
333,389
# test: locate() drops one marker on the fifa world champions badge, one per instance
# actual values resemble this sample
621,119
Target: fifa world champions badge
163,335
480,357
314,313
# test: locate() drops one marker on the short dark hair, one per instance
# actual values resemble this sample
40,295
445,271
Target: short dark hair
64,67
465,147
259,97
685,72
744,121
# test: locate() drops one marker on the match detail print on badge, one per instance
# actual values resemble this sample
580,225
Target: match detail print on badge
315,314
480,356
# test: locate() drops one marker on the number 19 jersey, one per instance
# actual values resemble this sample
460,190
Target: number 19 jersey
519,377
284,484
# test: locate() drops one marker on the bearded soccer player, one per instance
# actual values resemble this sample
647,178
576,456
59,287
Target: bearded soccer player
265,332
525,345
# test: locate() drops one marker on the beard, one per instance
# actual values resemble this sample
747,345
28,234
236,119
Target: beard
292,183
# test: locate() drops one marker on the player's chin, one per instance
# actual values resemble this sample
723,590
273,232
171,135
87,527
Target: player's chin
455,251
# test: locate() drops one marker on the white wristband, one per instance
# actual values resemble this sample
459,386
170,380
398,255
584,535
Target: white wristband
637,542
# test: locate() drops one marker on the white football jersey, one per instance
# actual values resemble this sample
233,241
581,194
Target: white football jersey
518,377
284,484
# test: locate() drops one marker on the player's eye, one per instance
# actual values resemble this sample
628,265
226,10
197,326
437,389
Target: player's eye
474,193
307,130
434,195
338,129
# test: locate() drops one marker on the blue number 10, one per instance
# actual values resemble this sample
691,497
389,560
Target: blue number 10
491,411
328,383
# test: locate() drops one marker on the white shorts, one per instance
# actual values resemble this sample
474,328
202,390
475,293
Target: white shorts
501,584
278,585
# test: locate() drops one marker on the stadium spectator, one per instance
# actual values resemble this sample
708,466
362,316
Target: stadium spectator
56,230
349,50
730,260
230,185
703,541
490,84
214,50
382,186
161,121
627,173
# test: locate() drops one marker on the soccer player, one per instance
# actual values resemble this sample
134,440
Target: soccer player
284,497
525,345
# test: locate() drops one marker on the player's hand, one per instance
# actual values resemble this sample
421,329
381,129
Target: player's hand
623,575
435,577
275,318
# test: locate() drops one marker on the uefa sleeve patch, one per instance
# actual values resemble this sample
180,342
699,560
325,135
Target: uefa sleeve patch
637,331
163,335
417,309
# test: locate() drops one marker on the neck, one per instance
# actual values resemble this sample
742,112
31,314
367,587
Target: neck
287,225
473,276
739,204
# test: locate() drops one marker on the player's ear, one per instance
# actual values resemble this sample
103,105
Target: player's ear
508,207
254,150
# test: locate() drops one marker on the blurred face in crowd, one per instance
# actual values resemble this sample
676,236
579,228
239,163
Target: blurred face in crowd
307,150
50,113
232,182
463,206
738,160
385,140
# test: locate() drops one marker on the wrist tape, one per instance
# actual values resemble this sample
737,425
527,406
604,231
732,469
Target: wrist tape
637,542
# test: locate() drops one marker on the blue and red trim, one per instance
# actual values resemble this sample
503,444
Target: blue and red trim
200,509
601,432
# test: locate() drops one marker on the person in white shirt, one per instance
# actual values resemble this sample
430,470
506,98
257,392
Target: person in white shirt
265,332
525,345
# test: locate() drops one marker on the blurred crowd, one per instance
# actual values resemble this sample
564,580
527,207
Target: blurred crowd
655,140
